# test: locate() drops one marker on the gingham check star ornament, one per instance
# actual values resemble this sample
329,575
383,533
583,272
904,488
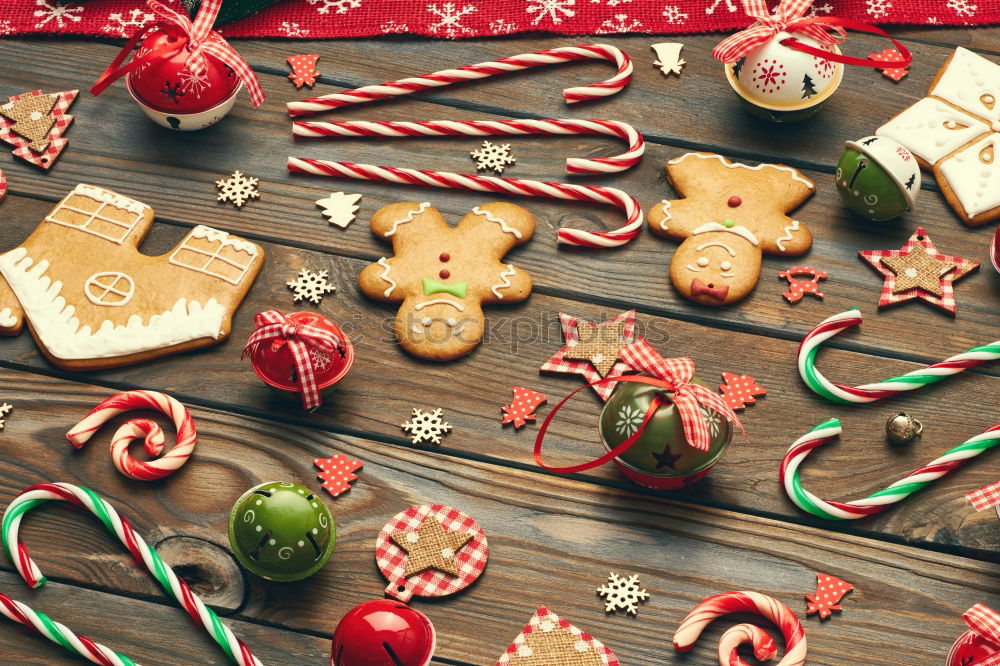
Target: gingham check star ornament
54,142
571,333
945,269
393,561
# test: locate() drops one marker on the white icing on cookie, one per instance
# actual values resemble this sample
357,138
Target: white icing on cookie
407,218
971,82
504,281
666,214
788,231
7,318
734,165
385,276
739,231
110,289
95,222
974,175
445,301
208,258
504,227
931,129
60,332
694,269
731,251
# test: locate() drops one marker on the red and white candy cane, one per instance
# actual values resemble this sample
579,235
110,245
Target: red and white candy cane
525,188
203,616
126,464
745,602
447,77
911,381
560,126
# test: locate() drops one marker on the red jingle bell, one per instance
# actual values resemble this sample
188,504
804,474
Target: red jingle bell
383,633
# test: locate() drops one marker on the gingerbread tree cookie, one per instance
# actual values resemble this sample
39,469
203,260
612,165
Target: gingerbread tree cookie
956,131
94,301
730,214
442,275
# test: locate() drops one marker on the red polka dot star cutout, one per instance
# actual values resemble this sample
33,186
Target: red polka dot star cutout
739,390
337,472
303,70
829,591
522,408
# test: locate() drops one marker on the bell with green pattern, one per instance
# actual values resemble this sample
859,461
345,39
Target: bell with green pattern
281,531
661,457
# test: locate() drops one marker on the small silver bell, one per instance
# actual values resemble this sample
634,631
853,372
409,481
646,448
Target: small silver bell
902,428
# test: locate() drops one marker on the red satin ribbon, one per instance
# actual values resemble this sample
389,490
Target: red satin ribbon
201,40
985,622
789,16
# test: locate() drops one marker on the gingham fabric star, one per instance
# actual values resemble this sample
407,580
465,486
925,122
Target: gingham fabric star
571,333
906,286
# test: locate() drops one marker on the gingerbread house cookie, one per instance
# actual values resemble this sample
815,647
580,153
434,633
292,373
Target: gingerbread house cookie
955,131
93,301
729,216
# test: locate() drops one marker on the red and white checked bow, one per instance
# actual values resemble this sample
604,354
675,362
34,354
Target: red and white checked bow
985,623
688,398
790,16
201,39
274,327
985,498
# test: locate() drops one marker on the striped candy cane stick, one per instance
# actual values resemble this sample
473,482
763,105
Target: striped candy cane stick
561,126
85,498
126,464
527,188
484,70
911,381
745,602
59,633
911,483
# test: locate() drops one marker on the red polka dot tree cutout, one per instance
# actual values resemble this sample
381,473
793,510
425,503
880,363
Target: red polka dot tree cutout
337,472
739,390
522,408
829,591
303,70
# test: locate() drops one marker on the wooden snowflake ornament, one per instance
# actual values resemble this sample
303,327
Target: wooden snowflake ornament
337,472
310,286
303,70
829,592
522,408
622,593
426,426
237,189
739,390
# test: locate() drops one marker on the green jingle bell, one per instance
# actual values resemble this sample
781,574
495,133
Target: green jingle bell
661,456
281,531
878,178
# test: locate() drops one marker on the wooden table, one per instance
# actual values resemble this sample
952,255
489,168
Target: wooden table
553,539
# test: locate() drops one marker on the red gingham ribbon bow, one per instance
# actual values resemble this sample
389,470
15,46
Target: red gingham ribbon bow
688,398
986,497
201,39
790,16
985,622
671,374
274,326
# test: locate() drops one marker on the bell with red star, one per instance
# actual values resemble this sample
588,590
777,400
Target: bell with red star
661,457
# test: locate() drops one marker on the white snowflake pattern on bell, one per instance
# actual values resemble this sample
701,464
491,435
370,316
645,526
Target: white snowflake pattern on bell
782,84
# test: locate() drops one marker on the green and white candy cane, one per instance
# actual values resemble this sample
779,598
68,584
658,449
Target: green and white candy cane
85,498
911,381
883,499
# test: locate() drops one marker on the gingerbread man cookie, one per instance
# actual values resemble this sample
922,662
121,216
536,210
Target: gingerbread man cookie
442,275
94,301
956,131
730,214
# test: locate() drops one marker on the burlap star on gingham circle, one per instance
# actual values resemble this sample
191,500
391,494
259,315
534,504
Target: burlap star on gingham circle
918,270
431,547
590,348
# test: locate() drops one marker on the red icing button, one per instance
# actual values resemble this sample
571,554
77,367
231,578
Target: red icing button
734,201
445,274
444,256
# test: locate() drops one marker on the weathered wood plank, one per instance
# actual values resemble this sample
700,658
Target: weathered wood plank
385,383
552,541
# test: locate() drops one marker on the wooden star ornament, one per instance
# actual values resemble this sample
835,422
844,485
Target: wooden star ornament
431,547
592,349
918,270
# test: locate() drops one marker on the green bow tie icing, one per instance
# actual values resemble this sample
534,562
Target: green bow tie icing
434,287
